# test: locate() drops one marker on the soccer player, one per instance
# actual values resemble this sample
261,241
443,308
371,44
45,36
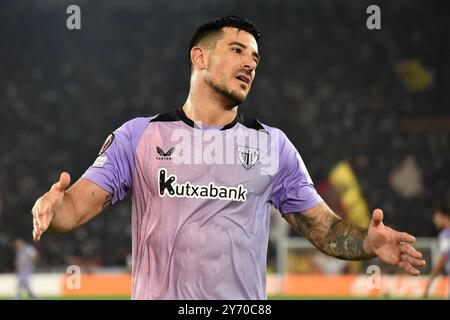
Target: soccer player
441,219
204,178
26,257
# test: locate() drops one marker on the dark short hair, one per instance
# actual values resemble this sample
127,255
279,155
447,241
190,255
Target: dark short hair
444,209
214,27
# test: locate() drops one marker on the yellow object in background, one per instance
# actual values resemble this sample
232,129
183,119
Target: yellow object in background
346,184
413,75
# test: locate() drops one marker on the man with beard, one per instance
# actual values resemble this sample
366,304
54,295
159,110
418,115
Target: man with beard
204,178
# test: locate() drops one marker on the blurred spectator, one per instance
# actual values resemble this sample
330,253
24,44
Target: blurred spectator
26,257
407,179
441,220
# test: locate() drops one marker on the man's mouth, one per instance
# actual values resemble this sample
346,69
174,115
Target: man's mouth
245,79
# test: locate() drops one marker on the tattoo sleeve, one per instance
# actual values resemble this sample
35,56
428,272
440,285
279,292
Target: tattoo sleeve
330,234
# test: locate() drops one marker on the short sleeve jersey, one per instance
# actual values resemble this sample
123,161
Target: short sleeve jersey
201,202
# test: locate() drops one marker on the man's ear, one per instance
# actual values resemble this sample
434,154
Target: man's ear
199,57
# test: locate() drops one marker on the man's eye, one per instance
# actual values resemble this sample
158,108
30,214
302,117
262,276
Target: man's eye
237,50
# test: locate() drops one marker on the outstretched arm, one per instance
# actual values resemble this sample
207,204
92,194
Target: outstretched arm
63,210
338,238
330,234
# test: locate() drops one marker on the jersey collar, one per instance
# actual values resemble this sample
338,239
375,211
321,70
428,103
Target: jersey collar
182,116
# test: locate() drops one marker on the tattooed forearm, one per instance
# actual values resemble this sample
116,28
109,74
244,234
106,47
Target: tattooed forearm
107,203
346,241
331,235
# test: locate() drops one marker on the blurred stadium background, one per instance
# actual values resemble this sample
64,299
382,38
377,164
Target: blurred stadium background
368,110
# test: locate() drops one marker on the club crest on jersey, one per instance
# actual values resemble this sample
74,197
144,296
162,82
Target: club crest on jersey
248,156
164,155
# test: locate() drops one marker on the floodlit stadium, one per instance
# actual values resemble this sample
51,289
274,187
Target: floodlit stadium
362,93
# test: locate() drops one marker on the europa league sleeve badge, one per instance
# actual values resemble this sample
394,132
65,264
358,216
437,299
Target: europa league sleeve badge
109,140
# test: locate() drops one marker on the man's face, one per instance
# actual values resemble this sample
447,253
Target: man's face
231,65
438,219
18,244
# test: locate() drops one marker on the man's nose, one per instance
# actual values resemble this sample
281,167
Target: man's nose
249,67
249,64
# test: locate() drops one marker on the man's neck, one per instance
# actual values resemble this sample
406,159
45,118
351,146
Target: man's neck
207,107
210,115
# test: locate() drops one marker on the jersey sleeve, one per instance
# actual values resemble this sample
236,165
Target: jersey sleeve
444,243
293,189
114,167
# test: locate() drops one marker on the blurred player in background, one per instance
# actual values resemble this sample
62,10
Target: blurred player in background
26,258
200,230
441,219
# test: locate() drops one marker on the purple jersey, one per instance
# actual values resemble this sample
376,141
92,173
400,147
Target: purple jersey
444,247
25,259
201,202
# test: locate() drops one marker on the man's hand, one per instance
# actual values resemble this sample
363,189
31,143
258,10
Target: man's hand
393,247
46,206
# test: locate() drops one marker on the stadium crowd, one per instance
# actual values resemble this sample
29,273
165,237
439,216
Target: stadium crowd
330,83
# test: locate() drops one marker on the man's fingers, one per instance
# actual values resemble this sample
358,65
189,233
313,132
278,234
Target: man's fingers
36,235
42,220
377,217
64,180
410,250
405,237
43,208
413,261
36,232
40,216
63,183
408,268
